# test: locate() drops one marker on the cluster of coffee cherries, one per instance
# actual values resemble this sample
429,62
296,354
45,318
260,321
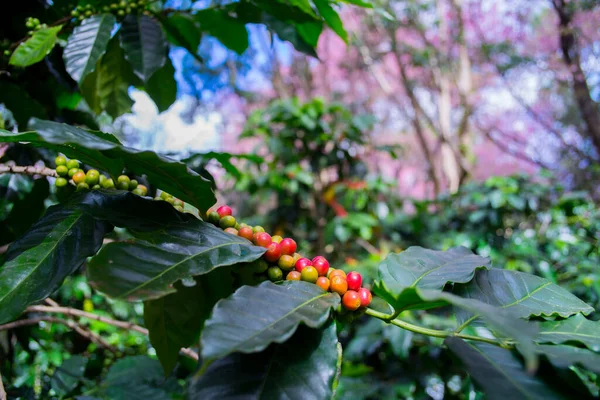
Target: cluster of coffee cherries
174,201
120,9
33,24
282,259
69,171
5,47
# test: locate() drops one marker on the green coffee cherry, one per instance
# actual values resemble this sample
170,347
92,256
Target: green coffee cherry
214,218
82,187
73,164
179,208
227,221
72,172
62,170
61,160
275,274
92,177
133,184
96,187
259,266
165,195
108,184
170,200
61,182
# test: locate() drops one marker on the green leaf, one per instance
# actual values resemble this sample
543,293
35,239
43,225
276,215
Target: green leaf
146,267
310,32
34,49
229,31
302,368
162,87
498,372
68,375
294,34
104,152
200,160
566,356
574,329
87,44
138,377
332,18
525,294
241,323
360,3
183,31
176,320
144,43
417,267
107,87
25,212
18,101
55,247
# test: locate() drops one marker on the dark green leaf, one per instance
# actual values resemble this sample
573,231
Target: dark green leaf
290,32
417,267
566,356
35,48
310,32
302,368
144,43
332,18
87,44
103,151
106,89
230,31
574,329
25,212
18,101
498,372
360,3
182,30
147,267
162,87
254,317
68,375
525,294
176,320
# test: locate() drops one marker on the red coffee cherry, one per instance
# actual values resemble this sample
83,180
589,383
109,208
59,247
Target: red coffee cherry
323,283
338,285
302,263
224,210
262,239
309,274
354,280
321,264
293,276
273,252
351,300
246,233
288,246
365,297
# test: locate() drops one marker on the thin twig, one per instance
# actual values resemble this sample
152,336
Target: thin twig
27,170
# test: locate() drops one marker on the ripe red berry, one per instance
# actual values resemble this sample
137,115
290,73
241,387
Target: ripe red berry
338,285
351,300
321,264
246,233
224,210
293,276
262,239
288,246
309,274
323,283
354,280
273,252
302,263
365,297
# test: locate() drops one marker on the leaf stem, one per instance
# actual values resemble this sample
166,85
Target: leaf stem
465,324
432,332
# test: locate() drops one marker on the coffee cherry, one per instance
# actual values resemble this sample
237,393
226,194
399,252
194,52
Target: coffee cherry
96,187
329,271
177,202
365,297
310,274
323,283
226,222
338,285
79,177
133,184
72,172
224,211
233,231
61,160
88,13
286,262
121,13
165,195
214,218
288,246
297,256
273,252
276,239
293,276
82,187
62,170
123,182
259,266
354,280
302,263
258,229
73,164
237,226
245,232
92,177
262,239
337,272
321,264
351,300
275,274
141,190
108,184
61,182
179,208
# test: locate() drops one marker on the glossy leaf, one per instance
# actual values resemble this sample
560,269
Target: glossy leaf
417,267
302,368
68,375
254,317
566,356
87,44
106,88
55,247
498,372
162,87
574,329
230,31
525,294
144,43
332,18
176,320
34,49
25,212
104,152
147,266
182,30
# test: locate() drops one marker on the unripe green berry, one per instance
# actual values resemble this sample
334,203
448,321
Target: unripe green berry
108,184
310,274
275,274
73,164
62,170
179,208
114,6
227,221
96,187
214,218
29,24
170,200
80,18
141,190
72,172
121,13
61,182
258,228
92,177
61,160
82,187
88,13
237,226
122,186
7,53
164,195
123,178
286,262
259,266
101,179
133,184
